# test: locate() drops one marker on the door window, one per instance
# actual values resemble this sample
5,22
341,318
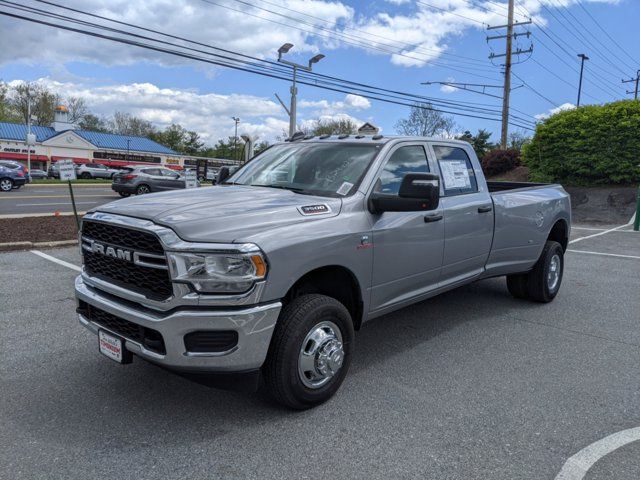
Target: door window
169,173
409,159
457,172
152,171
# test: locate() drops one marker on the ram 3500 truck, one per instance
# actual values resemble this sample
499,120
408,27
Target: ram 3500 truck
263,279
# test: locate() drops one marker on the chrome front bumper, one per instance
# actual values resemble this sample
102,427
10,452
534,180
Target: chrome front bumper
254,325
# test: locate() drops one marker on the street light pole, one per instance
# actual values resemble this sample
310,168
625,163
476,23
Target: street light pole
128,144
28,132
235,138
583,57
294,89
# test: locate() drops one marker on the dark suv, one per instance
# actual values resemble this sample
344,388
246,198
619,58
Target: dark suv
141,180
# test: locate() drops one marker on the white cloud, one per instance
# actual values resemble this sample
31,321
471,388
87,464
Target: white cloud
553,111
416,36
207,113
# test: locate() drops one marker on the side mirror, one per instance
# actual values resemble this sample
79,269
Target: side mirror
418,192
223,174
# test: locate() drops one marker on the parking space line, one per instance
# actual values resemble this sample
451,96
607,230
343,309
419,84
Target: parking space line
604,254
577,466
56,260
587,228
599,233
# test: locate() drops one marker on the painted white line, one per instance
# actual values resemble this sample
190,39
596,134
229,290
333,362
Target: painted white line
604,254
25,197
56,260
31,215
577,466
599,233
45,204
587,228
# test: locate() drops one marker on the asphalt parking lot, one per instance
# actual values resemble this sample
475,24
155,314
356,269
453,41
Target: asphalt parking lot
34,199
470,385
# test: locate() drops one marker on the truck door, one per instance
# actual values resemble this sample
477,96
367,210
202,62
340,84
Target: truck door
468,215
407,246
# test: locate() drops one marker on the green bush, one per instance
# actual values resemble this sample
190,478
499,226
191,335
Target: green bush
498,161
591,145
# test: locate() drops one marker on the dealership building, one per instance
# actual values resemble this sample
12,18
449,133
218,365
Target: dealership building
63,140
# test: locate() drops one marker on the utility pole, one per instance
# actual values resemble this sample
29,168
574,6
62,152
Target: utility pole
294,90
235,138
636,81
29,131
504,133
128,145
583,57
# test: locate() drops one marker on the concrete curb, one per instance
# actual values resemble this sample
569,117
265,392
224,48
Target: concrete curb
12,246
64,184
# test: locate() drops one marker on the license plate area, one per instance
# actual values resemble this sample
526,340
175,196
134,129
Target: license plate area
113,347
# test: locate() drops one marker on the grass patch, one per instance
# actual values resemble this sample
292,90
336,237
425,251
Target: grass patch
54,181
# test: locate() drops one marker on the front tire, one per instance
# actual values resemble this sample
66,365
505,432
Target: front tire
124,194
310,351
6,184
517,285
85,175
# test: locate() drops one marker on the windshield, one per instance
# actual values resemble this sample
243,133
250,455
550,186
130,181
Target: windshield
326,169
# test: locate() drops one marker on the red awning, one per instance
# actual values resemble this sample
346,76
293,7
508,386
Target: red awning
75,159
22,156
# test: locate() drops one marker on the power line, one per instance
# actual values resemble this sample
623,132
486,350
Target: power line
234,66
622,49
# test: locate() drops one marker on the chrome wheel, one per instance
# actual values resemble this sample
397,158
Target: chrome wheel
142,189
553,276
321,355
6,185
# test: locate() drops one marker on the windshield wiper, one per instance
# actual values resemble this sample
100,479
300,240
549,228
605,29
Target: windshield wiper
281,187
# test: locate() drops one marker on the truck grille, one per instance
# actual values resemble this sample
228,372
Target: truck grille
153,283
149,338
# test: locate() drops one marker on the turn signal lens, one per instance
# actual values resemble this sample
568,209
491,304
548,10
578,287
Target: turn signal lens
260,265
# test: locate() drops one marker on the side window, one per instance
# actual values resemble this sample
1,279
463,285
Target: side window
409,159
457,172
152,171
168,173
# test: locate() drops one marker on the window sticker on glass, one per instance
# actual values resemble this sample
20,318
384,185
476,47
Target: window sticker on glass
344,188
455,174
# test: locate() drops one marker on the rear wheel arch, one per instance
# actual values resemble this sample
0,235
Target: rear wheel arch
560,233
334,281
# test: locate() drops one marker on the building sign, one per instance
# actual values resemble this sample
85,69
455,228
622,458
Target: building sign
131,157
17,150
172,161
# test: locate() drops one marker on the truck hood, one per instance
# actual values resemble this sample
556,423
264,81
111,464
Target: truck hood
224,213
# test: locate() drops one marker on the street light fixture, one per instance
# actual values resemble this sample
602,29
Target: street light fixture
294,90
235,137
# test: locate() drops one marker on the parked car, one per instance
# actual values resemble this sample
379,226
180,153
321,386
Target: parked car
11,178
37,173
94,170
141,180
270,273
17,166
53,171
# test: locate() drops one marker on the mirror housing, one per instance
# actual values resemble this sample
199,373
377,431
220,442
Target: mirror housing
418,192
223,174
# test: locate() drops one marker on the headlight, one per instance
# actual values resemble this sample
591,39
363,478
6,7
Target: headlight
218,272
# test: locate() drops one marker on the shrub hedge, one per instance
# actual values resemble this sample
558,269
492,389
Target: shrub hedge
499,161
590,145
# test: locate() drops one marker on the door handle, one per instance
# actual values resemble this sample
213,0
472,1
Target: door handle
432,218
485,209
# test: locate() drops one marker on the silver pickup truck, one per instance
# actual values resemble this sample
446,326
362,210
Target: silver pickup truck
263,279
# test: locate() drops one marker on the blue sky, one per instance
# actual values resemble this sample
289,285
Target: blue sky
399,44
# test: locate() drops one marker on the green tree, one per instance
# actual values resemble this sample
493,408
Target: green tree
591,145
7,111
43,102
425,121
518,139
94,123
480,142
337,126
